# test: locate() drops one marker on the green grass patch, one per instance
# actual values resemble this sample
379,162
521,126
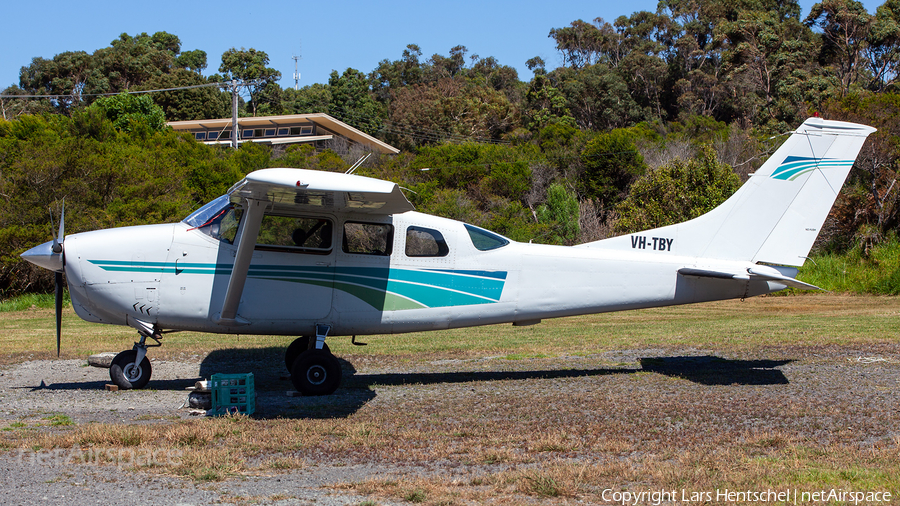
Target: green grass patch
33,301
59,420
877,272
761,322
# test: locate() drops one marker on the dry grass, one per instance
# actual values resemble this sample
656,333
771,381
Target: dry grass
671,423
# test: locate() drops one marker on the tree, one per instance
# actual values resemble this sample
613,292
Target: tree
580,43
129,112
68,76
882,50
249,66
314,98
677,192
194,61
763,52
611,164
406,71
561,212
352,103
449,109
189,104
845,26
131,61
597,97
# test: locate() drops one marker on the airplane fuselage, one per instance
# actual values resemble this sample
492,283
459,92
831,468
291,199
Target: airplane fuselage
176,276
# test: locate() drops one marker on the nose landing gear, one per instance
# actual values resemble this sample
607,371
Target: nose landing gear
131,369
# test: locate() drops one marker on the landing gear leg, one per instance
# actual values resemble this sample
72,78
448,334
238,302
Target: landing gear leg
315,371
131,369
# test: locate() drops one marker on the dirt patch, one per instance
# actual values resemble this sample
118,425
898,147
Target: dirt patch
456,429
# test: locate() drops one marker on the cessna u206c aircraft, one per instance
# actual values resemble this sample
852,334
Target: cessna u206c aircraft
317,254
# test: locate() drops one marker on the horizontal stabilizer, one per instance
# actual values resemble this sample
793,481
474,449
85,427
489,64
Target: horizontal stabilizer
750,274
784,280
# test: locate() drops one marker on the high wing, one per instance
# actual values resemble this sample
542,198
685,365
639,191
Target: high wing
294,191
301,190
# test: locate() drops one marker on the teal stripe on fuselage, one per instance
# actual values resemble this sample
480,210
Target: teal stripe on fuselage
429,287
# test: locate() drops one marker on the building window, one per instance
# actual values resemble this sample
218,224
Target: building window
200,136
213,136
247,134
259,132
283,131
270,132
225,135
302,130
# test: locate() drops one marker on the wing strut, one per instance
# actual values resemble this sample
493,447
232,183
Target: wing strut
251,223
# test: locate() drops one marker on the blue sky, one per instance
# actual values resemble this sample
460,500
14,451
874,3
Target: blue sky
331,35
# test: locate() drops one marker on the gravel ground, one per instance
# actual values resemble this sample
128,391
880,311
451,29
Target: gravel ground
821,393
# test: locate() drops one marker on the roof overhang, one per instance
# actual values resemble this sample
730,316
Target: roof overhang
320,119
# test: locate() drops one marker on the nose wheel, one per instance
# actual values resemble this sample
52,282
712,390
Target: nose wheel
131,369
128,373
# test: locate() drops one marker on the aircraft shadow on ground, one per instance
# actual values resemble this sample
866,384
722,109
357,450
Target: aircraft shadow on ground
272,381
711,370
271,378
175,384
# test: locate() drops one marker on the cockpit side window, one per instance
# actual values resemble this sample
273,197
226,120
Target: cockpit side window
292,233
425,242
484,240
368,238
218,219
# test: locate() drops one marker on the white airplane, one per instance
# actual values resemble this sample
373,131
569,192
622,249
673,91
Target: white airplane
317,254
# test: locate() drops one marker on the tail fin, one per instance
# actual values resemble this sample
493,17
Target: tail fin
776,215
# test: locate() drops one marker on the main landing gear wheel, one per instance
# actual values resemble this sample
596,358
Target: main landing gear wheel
297,347
126,374
316,372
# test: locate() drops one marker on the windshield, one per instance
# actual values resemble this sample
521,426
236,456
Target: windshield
217,219
484,240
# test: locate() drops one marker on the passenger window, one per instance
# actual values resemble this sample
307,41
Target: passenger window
425,242
312,235
368,238
484,240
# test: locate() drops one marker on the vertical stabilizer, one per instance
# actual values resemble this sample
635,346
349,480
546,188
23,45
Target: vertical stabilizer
777,214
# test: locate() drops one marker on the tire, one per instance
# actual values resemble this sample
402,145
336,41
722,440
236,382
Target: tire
316,372
297,347
126,374
200,400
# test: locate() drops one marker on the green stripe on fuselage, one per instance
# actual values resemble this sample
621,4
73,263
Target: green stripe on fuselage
382,288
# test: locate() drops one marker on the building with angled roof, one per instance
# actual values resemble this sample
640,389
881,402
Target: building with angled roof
315,128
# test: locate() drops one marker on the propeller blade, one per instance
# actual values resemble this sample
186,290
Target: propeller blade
59,302
61,236
62,223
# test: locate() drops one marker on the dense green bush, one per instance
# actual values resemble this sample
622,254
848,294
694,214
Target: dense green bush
679,191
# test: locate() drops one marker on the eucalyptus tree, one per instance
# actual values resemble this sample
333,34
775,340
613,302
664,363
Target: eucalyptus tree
250,67
844,26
